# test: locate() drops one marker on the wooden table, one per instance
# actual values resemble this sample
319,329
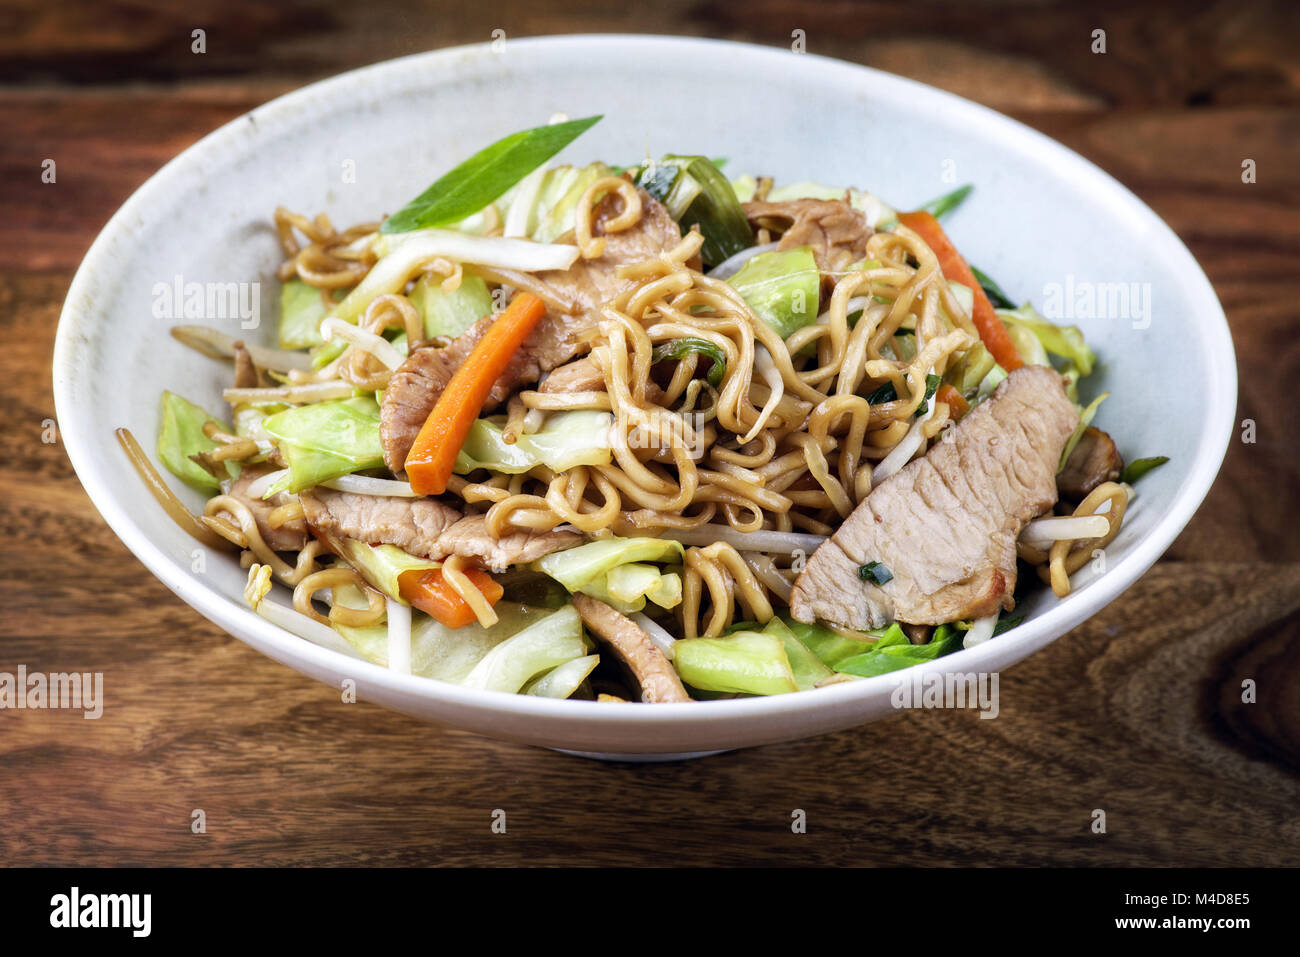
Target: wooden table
1138,712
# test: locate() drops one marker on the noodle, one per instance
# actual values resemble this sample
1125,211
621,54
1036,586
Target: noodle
745,446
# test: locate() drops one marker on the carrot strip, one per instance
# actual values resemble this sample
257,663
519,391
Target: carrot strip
954,399
987,324
433,455
430,592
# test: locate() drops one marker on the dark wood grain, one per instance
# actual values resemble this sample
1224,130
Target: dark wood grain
1139,712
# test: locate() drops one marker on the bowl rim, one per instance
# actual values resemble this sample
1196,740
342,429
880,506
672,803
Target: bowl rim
286,647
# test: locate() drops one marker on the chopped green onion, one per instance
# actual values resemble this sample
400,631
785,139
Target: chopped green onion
875,571
1140,467
679,348
887,393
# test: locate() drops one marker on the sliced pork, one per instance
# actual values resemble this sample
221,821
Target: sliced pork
1093,461
414,388
425,527
290,536
655,676
836,231
945,526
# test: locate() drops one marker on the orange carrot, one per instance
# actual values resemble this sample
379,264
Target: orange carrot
987,324
430,592
956,401
432,456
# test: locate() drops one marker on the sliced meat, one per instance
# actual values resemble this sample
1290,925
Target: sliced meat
836,231
590,283
247,375
290,536
1094,460
425,527
412,524
414,388
655,676
945,526
469,538
581,375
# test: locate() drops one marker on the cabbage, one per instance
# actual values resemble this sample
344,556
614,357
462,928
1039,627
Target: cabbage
181,435
831,647
301,312
1028,346
325,440
1086,415
747,662
543,645
557,207
744,187
450,313
625,588
783,288
614,570
567,439
382,565
563,680
893,650
805,666
966,374
447,654
1064,341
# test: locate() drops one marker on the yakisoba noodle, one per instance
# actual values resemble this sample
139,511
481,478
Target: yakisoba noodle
805,420
785,440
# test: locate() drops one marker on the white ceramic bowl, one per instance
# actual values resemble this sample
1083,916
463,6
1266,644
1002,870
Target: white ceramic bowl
1040,214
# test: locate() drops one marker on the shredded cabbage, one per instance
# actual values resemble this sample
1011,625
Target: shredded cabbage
325,440
181,435
567,440
615,571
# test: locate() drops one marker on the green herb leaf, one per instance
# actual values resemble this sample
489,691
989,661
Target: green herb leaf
1140,467
992,290
945,204
876,572
485,176
678,348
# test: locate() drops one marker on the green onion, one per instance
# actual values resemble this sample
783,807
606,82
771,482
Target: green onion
679,348
875,571
697,194
1140,467
887,393
485,176
992,290
945,204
